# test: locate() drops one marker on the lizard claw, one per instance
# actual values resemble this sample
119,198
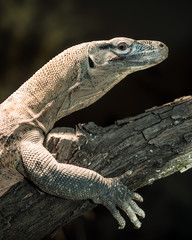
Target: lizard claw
135,196
118,195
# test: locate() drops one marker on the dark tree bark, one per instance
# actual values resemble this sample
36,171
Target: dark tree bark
152,145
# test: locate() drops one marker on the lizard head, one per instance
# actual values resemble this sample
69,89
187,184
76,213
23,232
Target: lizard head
122,56
108,62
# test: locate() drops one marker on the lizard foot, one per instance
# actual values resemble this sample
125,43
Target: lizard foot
118,195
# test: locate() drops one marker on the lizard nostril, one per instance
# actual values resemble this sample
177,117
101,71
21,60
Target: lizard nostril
161,45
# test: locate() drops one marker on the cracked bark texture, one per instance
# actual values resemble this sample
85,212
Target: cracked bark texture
152,145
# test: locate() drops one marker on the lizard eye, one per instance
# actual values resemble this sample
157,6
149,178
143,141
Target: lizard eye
122,46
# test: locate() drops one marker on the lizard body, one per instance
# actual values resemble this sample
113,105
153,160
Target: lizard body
72,80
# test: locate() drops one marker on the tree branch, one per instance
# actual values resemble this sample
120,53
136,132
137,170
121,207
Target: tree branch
152,145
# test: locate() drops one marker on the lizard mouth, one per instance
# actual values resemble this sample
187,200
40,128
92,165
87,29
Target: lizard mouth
153,57
155,54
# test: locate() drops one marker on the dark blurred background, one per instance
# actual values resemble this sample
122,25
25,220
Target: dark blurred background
32,32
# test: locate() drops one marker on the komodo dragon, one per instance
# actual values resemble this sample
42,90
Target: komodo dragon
73,80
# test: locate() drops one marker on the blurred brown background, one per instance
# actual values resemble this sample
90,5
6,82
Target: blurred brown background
33,31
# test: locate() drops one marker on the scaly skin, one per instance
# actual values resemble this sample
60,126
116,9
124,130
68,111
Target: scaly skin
73,80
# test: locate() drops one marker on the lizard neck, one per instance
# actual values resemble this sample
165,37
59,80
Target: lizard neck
40,100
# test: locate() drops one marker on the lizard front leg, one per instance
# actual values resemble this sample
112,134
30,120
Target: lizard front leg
72,182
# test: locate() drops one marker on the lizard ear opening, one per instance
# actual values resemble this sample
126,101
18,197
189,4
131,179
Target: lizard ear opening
91,63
